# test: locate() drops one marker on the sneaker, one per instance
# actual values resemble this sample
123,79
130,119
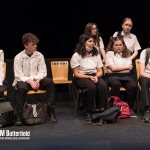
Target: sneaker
88,116
18,121
146,117
133,115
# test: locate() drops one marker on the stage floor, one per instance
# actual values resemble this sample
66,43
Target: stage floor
71,133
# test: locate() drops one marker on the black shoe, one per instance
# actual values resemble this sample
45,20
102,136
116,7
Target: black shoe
18,122
146,117
52,117
133,113
88,116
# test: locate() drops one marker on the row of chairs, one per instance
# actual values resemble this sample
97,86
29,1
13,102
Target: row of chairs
60,73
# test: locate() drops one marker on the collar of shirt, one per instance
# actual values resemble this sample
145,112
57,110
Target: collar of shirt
128,36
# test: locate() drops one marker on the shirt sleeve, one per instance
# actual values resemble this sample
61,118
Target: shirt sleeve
99,60
109,58
115,34
75,60
2,72
101,42
143,56
137,45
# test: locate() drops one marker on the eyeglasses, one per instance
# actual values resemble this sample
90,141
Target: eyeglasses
94,29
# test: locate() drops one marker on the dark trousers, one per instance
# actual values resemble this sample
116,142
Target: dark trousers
2,89
22,89
133,71
145,93
96,93
131,87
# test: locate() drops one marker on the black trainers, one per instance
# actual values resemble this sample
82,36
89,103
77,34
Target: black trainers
146,117
133,113
88,116
18,121
52,117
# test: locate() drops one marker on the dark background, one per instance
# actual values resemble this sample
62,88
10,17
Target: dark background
58,24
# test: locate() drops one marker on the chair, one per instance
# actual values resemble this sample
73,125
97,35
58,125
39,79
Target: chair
60,70
41,92
78,96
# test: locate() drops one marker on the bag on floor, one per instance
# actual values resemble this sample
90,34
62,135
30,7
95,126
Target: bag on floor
7,116
108,116
33,114
125,110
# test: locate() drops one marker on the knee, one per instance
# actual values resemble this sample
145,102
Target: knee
116,84
133,87
92,88
22,89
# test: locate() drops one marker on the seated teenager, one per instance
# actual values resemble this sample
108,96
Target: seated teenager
87,69
119,65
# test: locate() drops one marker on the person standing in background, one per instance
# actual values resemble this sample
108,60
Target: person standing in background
130,40
92,29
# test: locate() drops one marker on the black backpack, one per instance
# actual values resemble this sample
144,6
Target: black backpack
33,113
7,116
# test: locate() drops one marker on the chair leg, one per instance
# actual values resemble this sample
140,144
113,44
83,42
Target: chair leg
76,104
70,91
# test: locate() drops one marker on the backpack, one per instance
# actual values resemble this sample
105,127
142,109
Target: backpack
125,110
33,114
108,116
7,116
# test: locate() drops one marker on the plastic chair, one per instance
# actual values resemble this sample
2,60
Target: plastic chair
60,70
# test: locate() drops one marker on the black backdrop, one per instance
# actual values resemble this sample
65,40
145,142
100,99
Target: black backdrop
58,24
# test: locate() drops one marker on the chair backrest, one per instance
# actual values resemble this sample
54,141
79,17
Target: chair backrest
59,70
104,69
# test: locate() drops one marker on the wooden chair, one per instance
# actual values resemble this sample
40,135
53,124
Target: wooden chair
41,92
137,64
60,70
